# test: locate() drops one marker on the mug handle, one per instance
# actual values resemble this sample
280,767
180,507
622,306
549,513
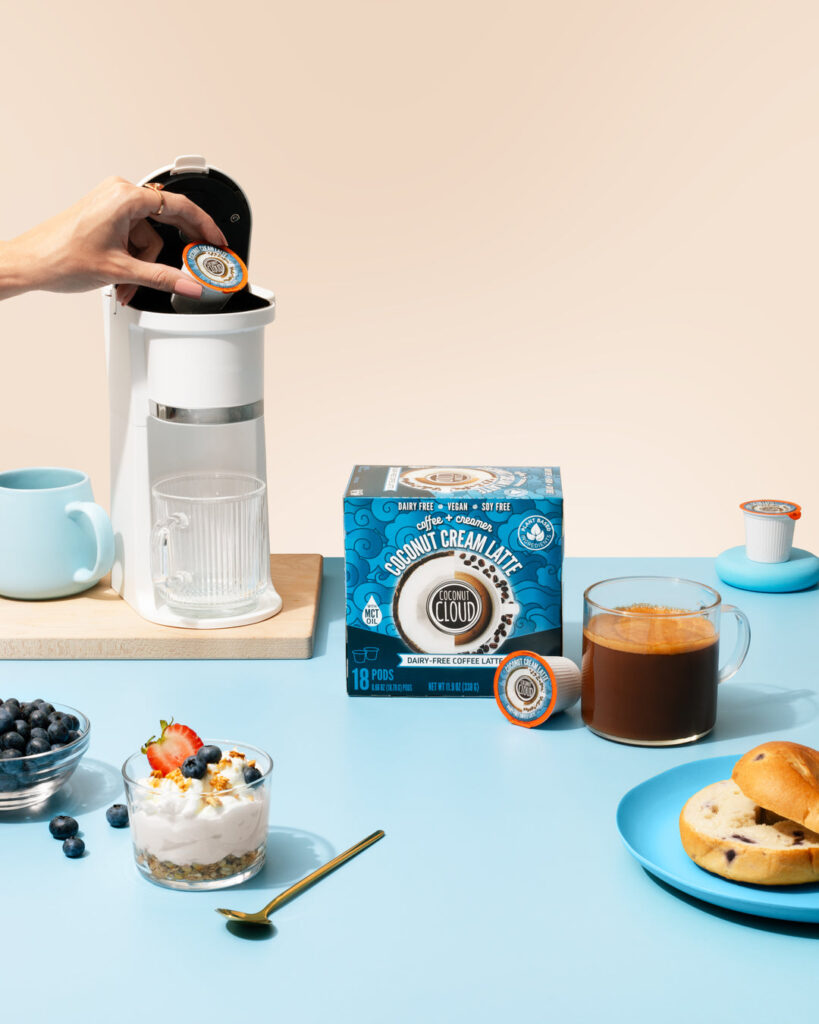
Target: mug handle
103,534
741,645
161,568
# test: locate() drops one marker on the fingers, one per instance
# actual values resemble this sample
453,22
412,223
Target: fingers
156,275
125,292
181,212
144,244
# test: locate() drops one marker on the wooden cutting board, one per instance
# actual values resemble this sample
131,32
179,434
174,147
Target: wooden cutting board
99,624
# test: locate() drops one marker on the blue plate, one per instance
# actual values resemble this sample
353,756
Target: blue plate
647,819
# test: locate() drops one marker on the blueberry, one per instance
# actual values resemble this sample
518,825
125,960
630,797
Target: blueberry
12,765
26,708
193,768
11,704
117,816
22,726
63,827
72,735
37,746
14,741
39,719
251,774
58,732
38,733
209,755
46,708
72,722
7,719
73,847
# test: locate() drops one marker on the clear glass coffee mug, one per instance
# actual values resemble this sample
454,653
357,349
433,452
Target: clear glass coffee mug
209,544
650,666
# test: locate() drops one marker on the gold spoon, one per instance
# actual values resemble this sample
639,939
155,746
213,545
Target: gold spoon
262,916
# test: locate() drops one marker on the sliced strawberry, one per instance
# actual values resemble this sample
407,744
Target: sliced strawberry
175,745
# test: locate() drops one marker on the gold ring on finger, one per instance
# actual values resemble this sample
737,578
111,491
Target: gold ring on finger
155,186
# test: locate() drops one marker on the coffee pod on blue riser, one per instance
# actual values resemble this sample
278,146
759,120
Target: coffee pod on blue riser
529,688
220,272
769,529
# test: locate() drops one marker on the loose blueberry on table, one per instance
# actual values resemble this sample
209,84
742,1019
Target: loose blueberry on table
63,826
73,847
117,816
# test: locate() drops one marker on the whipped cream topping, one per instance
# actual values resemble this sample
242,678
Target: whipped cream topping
200,821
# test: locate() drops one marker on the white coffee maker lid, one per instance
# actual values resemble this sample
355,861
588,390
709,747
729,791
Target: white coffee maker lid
218,195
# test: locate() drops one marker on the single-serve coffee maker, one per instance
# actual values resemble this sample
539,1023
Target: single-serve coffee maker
188,473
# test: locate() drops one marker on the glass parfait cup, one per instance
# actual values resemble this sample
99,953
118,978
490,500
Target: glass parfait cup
190,839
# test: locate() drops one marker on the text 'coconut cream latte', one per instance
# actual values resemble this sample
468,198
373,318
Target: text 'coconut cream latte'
449,569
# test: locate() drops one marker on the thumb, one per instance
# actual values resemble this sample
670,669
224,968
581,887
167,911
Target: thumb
159,276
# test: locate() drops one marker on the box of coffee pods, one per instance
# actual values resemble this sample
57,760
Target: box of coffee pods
449,569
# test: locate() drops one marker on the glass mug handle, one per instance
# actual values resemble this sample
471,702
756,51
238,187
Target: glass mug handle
743,641
161,562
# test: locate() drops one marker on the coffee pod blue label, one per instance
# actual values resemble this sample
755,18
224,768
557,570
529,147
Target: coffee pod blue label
525,689
220,269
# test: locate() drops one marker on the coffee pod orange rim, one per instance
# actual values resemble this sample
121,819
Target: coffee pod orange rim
206,283
795,512
531,723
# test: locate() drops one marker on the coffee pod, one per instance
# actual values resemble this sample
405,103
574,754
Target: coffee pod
529,689
769,529
220,272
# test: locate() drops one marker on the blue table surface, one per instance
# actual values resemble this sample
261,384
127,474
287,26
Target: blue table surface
501,888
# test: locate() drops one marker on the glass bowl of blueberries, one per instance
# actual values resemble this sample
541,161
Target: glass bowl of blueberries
41,745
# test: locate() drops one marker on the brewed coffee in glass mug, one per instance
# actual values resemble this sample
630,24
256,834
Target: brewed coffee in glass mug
651,659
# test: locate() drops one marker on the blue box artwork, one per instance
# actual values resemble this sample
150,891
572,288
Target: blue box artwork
449,570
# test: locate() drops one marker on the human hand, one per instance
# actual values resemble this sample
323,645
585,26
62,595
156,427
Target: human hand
106,238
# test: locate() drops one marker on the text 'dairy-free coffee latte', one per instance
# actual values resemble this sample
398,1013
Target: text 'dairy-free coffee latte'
449,569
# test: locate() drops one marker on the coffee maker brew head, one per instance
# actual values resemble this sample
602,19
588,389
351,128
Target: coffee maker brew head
221,197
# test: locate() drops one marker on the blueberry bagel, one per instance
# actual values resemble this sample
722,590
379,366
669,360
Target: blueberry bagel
755,827
784,777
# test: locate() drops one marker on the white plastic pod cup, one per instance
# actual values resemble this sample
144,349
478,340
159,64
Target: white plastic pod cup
769,529
530,688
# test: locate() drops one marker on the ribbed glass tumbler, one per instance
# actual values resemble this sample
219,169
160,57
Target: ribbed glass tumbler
209,545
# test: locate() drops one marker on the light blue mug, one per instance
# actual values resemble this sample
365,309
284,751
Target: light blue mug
54,540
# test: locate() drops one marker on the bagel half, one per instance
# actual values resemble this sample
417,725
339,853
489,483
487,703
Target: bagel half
729,834
784,778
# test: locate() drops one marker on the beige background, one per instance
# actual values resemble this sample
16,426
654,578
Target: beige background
576,233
